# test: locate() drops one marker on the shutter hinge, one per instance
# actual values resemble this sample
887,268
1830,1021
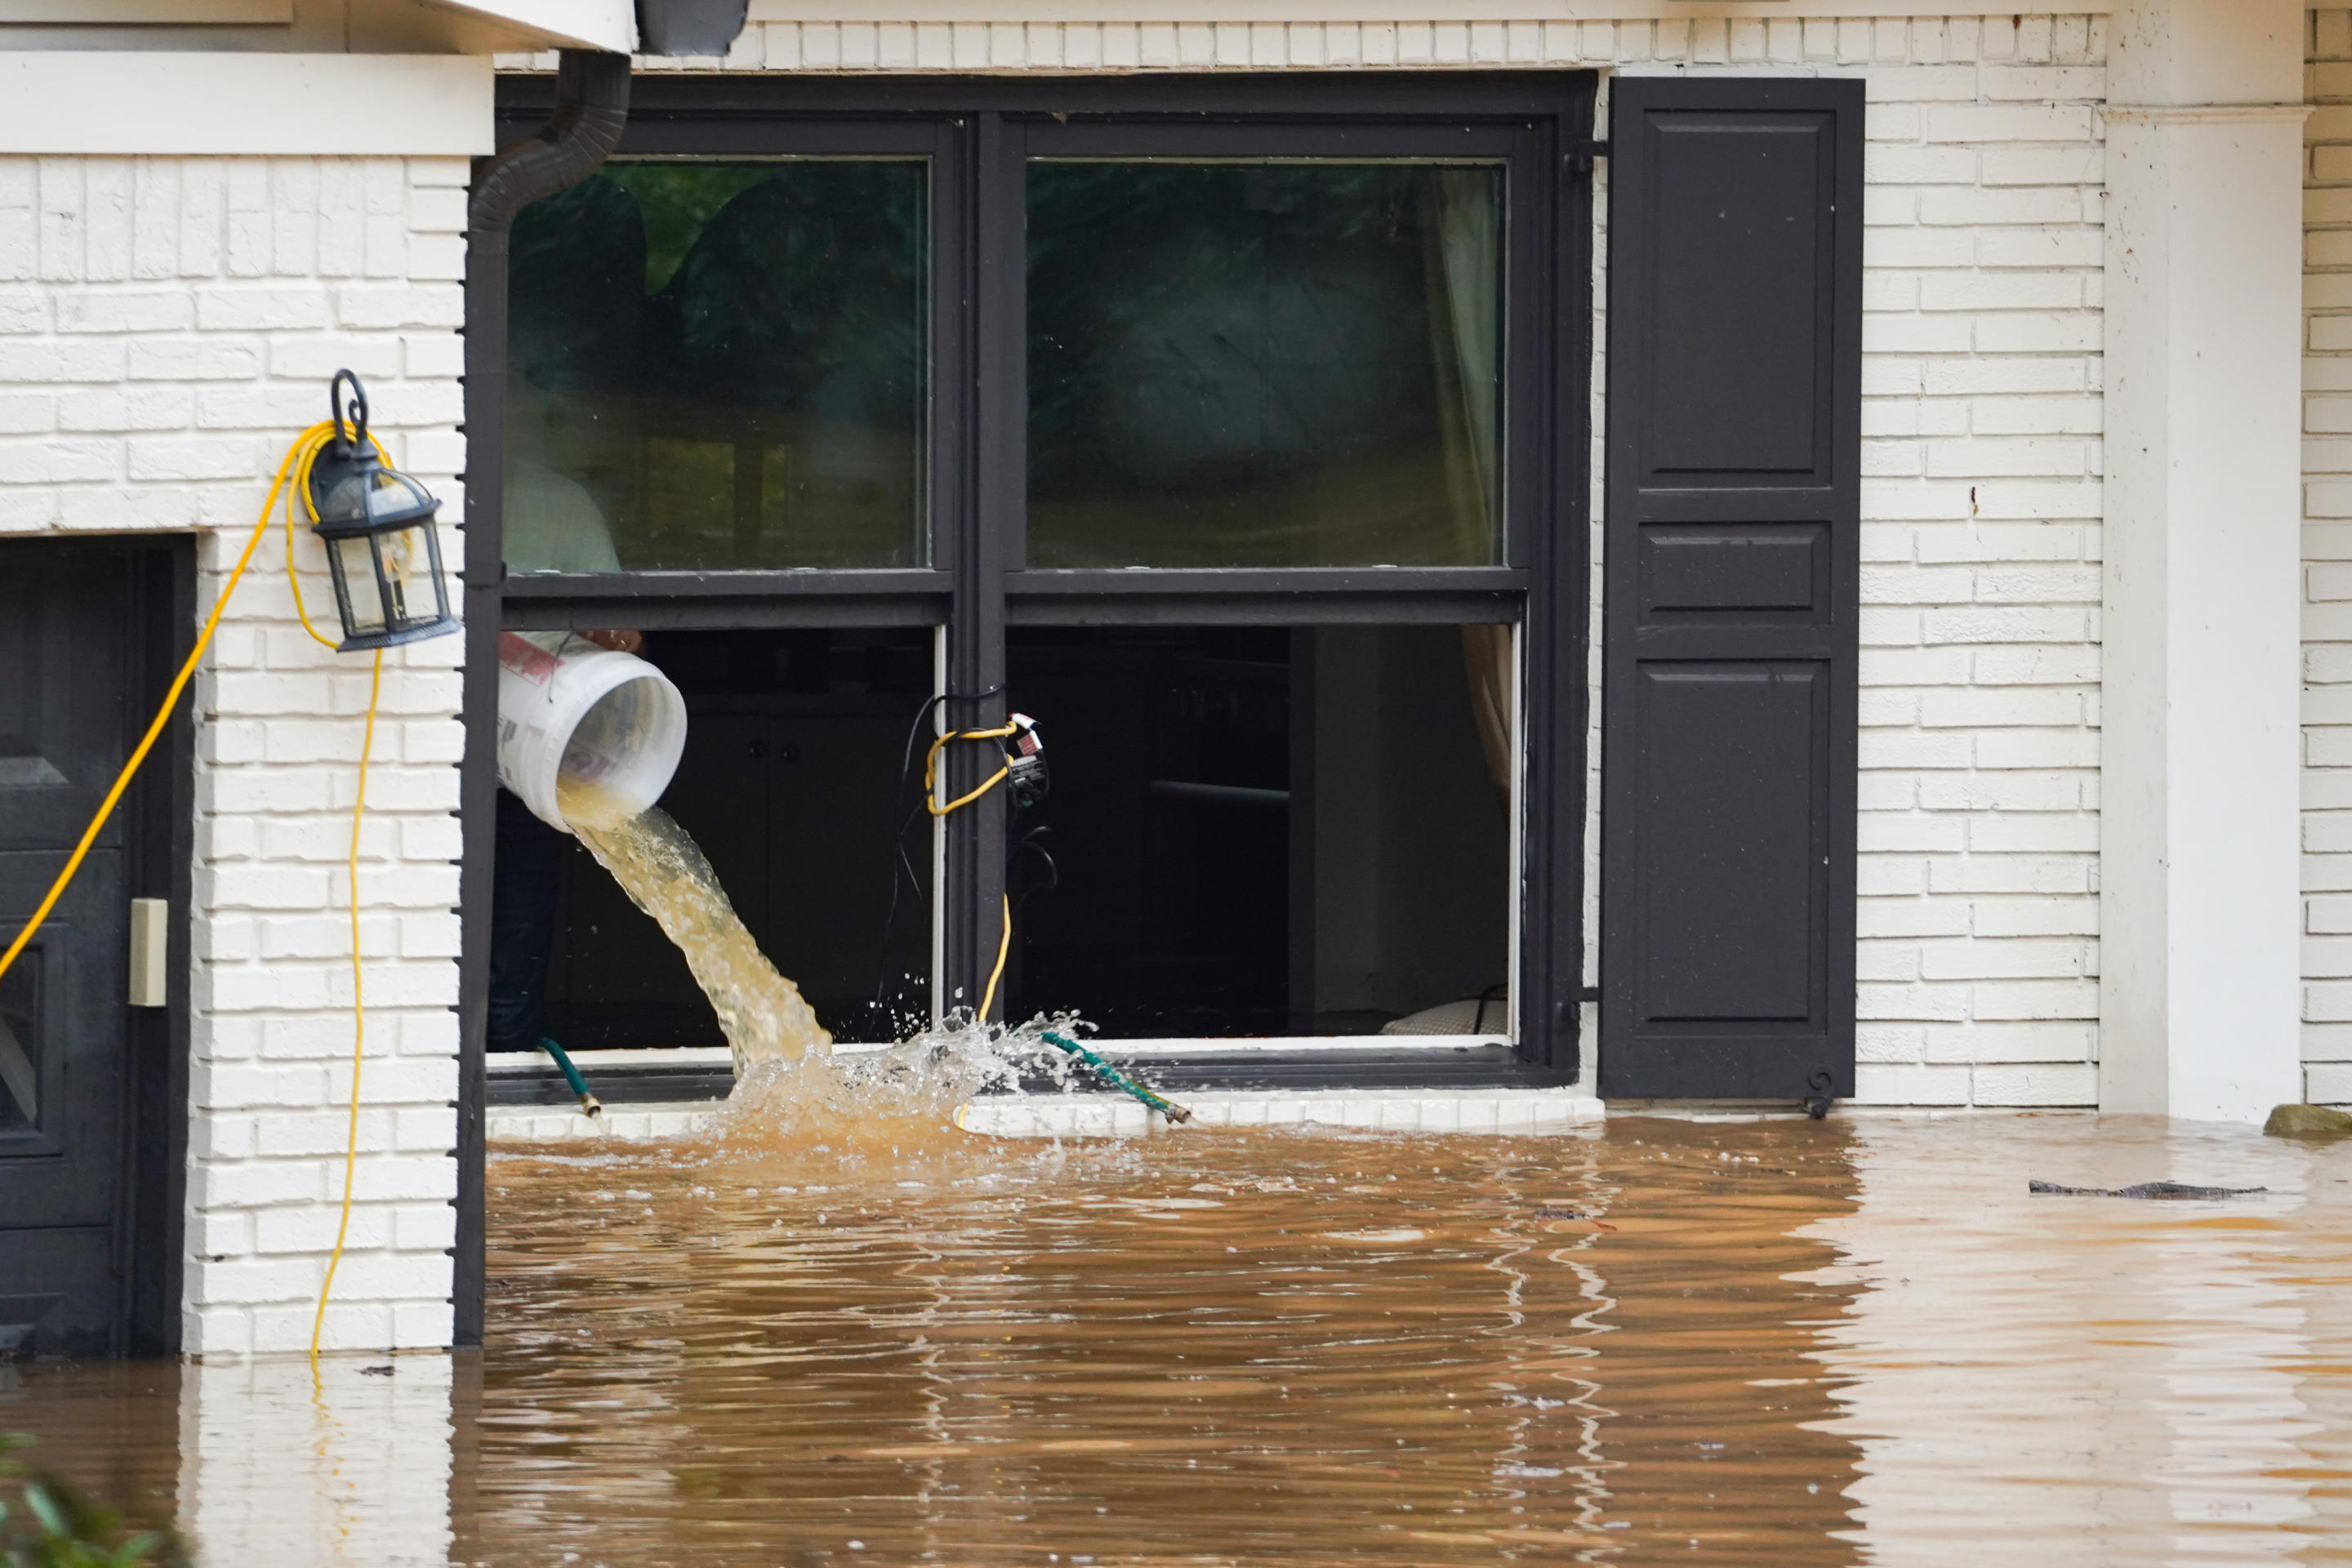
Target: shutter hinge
1582,153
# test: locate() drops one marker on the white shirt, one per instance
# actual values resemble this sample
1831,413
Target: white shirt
552,524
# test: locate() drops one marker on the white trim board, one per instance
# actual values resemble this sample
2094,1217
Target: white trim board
608,25
245,104
86,12
510,24
1478,1113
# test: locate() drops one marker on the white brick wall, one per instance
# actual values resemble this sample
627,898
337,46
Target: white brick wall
167,326
2327,562
1979,919
1025,46
1981,499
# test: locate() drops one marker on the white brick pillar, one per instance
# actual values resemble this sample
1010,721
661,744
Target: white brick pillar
2198,906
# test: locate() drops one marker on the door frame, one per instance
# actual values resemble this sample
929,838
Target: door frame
153,1230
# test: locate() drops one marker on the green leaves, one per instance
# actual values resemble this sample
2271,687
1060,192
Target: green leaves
46,1522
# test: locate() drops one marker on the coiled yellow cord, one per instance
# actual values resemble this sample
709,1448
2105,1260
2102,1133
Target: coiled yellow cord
931,764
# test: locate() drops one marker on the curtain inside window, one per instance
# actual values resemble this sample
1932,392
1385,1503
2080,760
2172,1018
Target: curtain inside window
1465,231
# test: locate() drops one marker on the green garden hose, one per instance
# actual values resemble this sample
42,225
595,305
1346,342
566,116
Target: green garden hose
589,1104
1115,1078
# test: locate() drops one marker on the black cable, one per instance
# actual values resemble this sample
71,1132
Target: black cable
914,731
1029,845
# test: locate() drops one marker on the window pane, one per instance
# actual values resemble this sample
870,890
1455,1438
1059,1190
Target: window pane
1291,364
717,366
1266,830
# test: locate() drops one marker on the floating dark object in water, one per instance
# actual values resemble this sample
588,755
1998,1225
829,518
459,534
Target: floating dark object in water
2159,1190
2308,1121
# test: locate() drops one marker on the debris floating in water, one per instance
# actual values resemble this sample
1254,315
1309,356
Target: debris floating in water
2308,1121
2166,1191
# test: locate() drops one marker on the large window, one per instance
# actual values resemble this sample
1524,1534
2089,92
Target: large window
1233,429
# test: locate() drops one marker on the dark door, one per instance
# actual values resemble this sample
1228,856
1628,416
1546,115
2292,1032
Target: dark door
1734,440
78,635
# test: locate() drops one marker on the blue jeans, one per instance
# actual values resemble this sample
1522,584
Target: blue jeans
524,889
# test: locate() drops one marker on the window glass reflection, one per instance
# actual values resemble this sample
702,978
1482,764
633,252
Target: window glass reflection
718,366
1255,364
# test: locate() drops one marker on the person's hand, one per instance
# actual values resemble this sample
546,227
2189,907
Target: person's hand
619,642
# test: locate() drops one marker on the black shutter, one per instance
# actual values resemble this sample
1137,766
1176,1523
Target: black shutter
1732,588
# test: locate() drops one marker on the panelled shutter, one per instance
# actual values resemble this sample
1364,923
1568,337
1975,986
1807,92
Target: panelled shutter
1732,586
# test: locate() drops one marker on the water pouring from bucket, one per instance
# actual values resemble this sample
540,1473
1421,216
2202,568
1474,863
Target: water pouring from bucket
589,738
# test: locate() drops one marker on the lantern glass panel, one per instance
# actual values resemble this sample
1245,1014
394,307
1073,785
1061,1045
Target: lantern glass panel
408,572
354,563
373,496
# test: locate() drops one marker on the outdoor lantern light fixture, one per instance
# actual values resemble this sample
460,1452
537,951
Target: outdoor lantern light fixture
377,525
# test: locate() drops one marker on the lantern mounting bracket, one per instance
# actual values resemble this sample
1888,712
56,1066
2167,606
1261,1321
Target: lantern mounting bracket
357,407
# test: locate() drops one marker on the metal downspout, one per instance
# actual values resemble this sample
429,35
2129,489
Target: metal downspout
591,108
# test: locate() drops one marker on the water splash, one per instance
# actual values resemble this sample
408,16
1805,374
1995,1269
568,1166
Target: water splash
789,1082
901,1096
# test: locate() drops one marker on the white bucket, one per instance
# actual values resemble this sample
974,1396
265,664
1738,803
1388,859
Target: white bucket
572,712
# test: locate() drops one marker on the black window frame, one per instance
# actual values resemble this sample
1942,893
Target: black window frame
978,134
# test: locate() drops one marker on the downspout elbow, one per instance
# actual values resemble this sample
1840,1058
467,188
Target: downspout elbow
592,108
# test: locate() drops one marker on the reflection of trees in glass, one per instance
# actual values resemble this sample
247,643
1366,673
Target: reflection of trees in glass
1255,364
677,200
802,294
729,358
576,292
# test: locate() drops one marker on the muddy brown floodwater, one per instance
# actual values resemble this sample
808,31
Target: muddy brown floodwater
1656,1341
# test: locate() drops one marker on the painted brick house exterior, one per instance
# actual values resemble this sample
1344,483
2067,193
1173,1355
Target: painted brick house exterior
167,324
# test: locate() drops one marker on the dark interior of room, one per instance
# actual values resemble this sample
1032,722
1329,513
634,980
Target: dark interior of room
1251,832
1256,831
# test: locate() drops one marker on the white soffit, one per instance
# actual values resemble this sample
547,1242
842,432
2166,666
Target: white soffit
1385,11
265,12
236,103
607,24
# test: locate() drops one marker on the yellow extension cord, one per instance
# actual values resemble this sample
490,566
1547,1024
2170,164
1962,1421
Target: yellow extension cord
930,799
296,464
